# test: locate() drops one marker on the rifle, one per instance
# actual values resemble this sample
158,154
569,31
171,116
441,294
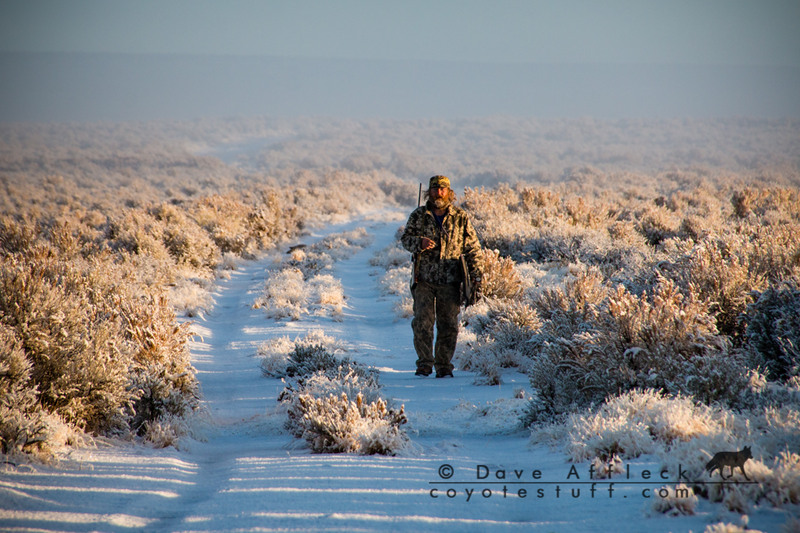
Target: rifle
468,293
415,257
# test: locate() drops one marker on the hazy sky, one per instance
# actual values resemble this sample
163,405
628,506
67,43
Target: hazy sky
721,32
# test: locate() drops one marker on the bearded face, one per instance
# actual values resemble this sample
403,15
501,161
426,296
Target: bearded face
441,198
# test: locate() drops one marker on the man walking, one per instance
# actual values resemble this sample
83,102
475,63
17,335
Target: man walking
438,234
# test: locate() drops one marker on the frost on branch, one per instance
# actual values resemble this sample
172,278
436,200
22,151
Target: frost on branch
773,331
309,358
675,500
334,424
662,339
21,418
301,285
319,386
500,278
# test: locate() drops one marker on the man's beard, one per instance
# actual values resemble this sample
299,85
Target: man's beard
441,203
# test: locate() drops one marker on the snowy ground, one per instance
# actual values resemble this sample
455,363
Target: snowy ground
244,472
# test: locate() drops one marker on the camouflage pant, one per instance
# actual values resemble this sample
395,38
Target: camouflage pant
437,304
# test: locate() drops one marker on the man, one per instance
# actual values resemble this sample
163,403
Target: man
438,233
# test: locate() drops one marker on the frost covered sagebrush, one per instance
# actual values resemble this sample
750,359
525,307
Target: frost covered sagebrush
529,223
70,336
675,500
320,408
396,281
184,239
191,297
287,294
338,425
320,256
720,253
775,467
725,527
500,278
503,325
300,285
722,272
751,202
306,359
640,422
91,342
314,355
772,482
392,256
88,299
343,379
22,425
245,228
773,331
685,434
396,263
503,330
275,353
661,340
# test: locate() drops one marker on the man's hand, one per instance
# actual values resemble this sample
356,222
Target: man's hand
427,244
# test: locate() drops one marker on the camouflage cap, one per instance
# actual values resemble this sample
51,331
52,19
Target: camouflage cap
439,182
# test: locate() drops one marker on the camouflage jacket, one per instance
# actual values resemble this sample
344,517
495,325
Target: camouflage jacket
441,264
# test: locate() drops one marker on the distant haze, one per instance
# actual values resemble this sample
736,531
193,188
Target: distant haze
99,86
89,60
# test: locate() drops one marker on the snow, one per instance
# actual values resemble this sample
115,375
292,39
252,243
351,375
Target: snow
242,471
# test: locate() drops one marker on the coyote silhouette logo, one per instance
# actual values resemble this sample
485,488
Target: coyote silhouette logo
731,459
